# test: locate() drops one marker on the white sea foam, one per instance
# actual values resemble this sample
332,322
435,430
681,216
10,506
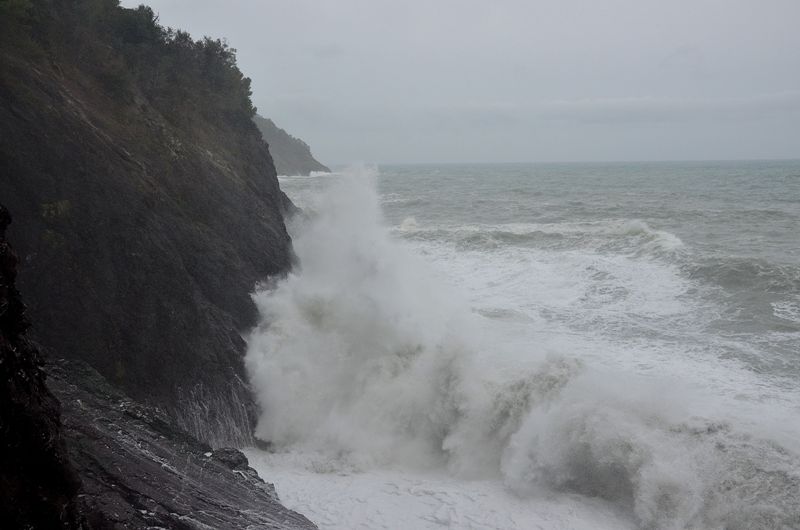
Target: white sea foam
631,237
431,500
367,362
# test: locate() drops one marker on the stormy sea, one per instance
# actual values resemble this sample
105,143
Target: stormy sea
520,346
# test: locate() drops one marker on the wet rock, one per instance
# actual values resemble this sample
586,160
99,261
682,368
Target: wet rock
139,470
233,458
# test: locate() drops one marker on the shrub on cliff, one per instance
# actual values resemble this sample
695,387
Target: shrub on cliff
128,51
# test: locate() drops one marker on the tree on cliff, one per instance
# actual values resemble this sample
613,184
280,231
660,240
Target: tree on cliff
133,52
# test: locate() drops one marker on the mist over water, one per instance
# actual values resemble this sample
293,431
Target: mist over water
597,332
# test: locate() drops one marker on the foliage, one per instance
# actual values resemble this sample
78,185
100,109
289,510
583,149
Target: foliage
130,54
16,9
14,15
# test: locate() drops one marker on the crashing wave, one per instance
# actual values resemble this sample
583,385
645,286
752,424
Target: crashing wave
362,356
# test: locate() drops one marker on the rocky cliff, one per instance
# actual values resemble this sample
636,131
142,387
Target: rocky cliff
292,155
38,486
139,470
112,463
146,203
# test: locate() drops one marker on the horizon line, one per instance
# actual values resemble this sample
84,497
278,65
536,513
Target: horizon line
531,162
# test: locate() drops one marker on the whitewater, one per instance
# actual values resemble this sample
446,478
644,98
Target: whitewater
520,346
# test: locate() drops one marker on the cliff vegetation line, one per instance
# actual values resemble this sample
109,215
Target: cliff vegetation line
128,53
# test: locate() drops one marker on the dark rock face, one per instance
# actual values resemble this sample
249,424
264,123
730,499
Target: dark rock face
141,234
292,155
141,471
38,486
147,207
135,467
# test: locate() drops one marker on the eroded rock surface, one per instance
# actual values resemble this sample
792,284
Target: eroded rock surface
139,470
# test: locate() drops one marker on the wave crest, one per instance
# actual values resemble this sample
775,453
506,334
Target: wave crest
614,235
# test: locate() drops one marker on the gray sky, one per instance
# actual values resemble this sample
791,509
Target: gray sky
515,80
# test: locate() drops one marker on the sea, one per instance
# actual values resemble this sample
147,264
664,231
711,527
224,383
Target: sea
523,346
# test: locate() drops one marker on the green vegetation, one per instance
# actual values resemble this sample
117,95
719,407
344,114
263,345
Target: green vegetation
130,54
14,25
16,9
56,209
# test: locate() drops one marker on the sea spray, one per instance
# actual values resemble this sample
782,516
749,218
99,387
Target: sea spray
360,349
364,357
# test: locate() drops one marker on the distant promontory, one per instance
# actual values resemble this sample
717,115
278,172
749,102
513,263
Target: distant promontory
292,156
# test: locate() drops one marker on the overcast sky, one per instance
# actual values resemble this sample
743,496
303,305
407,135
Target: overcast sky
517,80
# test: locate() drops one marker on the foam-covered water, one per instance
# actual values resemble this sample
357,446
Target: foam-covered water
567,346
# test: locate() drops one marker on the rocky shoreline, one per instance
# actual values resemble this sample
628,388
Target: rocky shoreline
139,470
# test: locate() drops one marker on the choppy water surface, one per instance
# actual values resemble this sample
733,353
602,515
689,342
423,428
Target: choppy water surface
621,340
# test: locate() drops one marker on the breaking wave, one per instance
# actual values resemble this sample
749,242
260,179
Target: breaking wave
626,236
362,356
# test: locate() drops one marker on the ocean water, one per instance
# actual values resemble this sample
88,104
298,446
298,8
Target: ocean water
537,346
